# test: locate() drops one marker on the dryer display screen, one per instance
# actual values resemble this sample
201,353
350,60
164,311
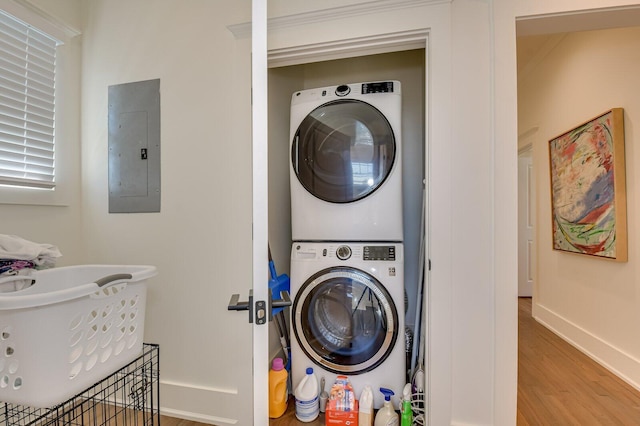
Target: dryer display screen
383,87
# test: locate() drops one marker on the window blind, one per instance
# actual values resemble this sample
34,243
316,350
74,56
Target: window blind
27,105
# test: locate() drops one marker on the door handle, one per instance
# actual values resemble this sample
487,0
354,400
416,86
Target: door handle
260,307
283,302
236,305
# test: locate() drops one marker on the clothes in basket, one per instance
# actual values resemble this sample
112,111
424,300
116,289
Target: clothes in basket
18,259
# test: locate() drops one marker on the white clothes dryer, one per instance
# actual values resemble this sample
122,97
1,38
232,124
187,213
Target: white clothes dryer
346,168
347,316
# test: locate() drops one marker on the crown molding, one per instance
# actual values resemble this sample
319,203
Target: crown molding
57,26
359,46
301,19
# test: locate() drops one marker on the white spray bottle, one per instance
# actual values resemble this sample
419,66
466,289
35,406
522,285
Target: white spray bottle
386,415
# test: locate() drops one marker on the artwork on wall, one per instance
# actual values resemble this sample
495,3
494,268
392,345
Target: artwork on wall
588,198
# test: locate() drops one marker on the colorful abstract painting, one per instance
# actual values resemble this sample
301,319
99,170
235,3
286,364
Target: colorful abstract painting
588,188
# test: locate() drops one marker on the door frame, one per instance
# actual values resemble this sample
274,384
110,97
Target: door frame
364,46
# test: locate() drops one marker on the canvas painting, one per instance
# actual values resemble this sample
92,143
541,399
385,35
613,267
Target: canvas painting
588,198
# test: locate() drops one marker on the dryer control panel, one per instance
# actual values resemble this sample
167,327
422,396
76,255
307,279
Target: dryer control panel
377,87
379,253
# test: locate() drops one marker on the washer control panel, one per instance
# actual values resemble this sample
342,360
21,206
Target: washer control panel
379,253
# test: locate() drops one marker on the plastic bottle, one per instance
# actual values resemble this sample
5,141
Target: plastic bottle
365,411
386,415
406,414
307,401
278,377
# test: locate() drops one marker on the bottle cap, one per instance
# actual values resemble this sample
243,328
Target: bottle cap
277,364
388,393
309,370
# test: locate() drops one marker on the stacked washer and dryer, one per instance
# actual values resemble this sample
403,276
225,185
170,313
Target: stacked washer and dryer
347,268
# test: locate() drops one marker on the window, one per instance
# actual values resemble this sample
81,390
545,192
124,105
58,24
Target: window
27,105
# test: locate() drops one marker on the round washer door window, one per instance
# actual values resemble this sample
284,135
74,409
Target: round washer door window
345,320
343,151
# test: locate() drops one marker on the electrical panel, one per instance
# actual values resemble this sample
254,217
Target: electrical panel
134,147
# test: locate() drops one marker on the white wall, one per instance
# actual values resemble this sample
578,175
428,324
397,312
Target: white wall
201,239
593,303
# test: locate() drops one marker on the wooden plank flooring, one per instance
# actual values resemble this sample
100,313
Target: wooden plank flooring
557,385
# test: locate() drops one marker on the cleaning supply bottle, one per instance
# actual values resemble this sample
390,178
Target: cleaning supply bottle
278,377
386,415
365,411
307,401
406,414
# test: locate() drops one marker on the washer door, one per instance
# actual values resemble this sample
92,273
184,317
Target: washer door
343,151
345,320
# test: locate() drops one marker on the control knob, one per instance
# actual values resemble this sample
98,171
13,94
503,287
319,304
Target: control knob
343,252
343,90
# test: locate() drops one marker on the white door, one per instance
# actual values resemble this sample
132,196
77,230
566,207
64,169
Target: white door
526,221
254,310
260,209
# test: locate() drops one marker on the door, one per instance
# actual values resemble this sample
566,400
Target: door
526,216
343,151
256,307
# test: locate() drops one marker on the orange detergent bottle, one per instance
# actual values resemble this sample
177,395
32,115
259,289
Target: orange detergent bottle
277,389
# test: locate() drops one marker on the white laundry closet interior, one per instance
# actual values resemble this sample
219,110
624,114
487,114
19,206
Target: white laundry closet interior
408,67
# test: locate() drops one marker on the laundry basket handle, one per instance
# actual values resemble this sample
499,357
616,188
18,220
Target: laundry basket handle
111,278
16,278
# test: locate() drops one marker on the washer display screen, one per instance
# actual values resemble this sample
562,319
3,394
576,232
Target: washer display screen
343,151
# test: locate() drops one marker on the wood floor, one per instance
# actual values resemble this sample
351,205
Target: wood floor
557,385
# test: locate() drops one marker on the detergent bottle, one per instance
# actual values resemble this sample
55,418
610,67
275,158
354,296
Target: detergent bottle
277,389
406,414
307,400
386,415
365,411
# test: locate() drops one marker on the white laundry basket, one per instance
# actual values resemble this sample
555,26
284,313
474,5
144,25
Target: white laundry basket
74,326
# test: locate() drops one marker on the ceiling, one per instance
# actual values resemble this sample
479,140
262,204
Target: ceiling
537,35
530,48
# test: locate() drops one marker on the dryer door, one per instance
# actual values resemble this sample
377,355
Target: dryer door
343,151
345,320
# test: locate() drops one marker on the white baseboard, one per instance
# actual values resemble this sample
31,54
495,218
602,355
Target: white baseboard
197,403
620,363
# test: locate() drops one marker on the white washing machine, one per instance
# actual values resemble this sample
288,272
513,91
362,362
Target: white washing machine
345,168
347,316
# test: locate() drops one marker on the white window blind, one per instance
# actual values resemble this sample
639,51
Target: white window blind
27,105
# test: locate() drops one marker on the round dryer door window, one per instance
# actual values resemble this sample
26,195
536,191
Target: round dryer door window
345,320
343,151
